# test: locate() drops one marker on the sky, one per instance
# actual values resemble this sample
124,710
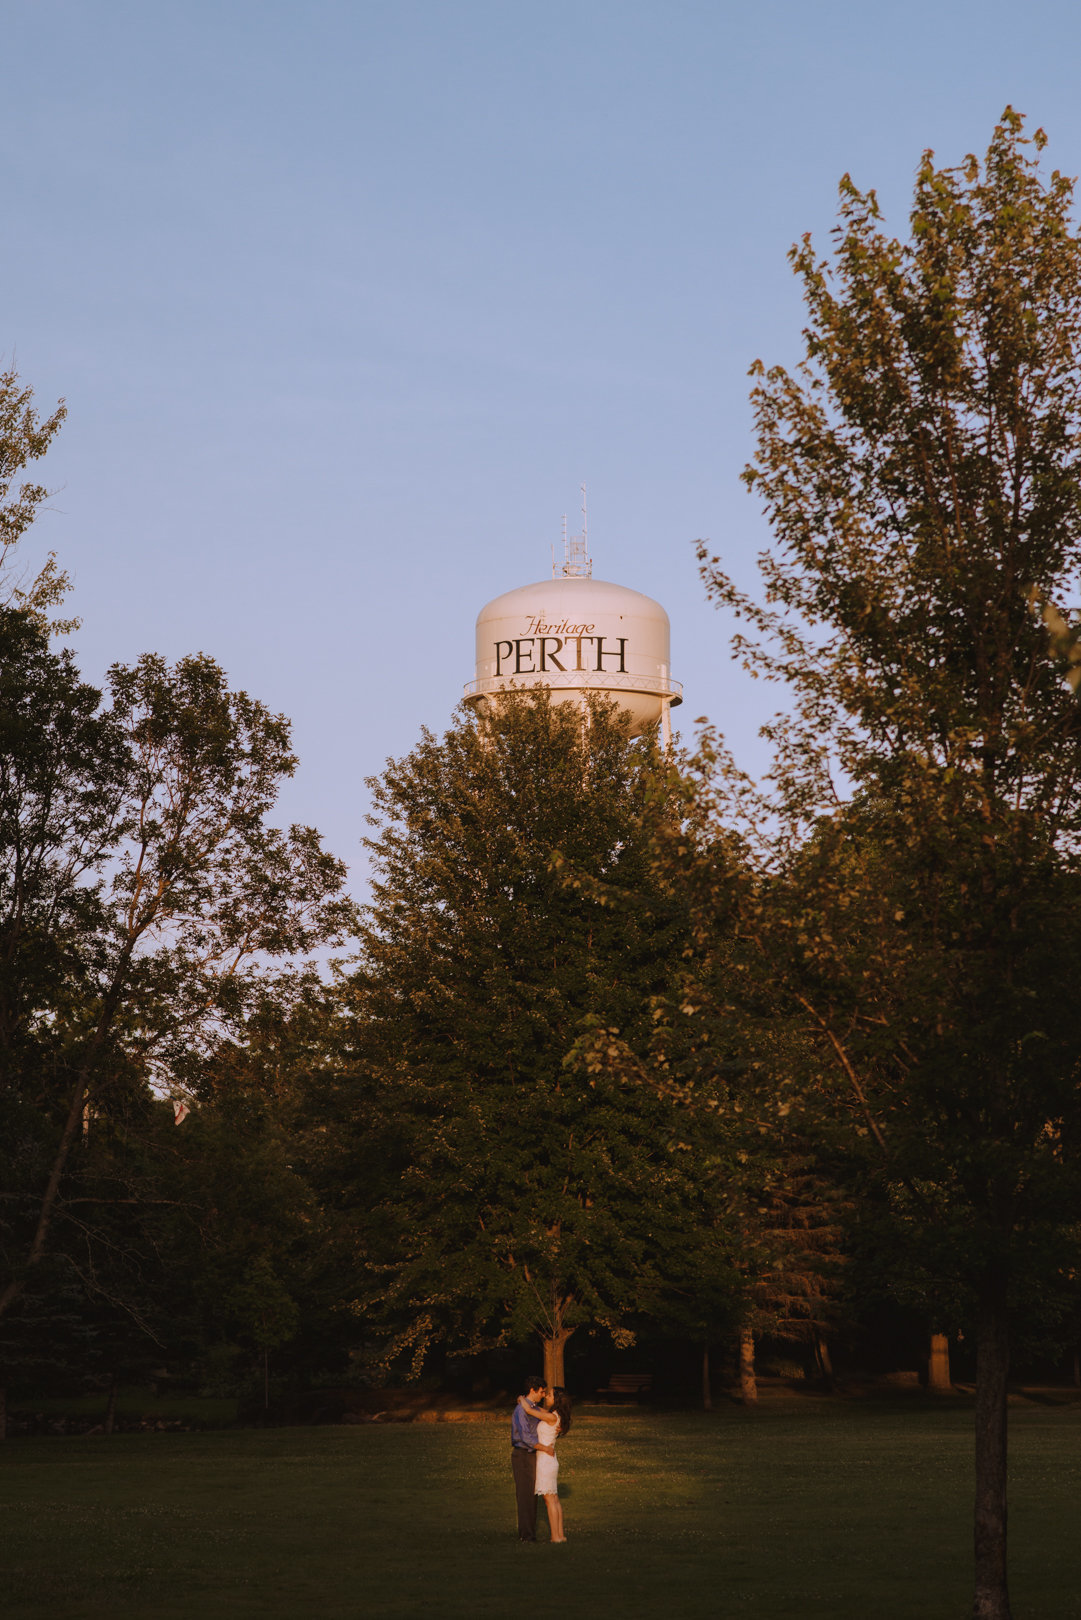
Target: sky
347,298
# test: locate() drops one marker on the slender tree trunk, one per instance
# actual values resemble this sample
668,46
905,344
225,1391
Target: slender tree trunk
1077,1368
52,1188
3,1413
266,1381
110,1410
825,1364
938,1365
748,1384
78,1113
707,1386
992,1367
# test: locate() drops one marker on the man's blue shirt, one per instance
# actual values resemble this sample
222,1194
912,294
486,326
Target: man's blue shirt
523,1430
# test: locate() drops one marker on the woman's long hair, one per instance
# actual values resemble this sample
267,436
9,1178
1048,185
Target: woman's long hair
561,1403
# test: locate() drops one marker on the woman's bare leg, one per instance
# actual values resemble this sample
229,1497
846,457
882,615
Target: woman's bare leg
555,1517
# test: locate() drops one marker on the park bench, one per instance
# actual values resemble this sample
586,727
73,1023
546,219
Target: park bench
634,1385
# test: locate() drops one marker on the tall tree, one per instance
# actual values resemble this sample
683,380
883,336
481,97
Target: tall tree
917,843
142,897
513,904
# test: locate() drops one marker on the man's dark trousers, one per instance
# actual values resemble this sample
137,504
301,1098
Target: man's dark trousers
524,1468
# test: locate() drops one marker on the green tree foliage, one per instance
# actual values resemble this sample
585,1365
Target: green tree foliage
143,903
915,849
25,437
722,1045
513,906
143,899
266,1257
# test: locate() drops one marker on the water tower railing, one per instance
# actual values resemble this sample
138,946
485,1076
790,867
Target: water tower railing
581,680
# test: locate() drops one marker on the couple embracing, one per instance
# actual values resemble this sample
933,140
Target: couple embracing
541,1417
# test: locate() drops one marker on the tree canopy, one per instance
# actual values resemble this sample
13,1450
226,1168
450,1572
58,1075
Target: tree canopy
142,898
513,908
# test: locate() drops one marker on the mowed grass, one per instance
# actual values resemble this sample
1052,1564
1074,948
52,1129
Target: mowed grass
811,1511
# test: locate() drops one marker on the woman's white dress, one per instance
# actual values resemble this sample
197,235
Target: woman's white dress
547,1467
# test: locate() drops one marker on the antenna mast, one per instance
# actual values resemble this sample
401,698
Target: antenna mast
577,563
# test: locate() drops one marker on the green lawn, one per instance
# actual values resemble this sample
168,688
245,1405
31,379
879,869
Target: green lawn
135,1402
815,1511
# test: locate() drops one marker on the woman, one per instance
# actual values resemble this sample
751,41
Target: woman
553,1420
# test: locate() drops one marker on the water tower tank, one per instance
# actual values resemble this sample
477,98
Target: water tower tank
575,634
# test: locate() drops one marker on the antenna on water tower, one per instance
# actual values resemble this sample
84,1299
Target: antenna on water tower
577,563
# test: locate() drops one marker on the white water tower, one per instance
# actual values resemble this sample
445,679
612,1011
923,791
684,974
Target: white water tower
576,635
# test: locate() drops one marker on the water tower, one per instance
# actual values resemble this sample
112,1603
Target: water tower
576,635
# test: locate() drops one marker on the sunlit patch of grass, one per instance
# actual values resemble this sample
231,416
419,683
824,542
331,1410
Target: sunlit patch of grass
825,1513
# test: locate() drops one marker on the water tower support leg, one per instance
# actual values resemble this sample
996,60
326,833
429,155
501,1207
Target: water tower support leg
666,724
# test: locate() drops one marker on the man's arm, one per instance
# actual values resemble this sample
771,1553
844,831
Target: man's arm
541,1414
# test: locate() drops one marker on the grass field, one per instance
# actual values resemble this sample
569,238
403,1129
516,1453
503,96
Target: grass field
815,1511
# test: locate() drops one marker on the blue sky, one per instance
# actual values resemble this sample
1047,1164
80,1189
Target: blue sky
346,299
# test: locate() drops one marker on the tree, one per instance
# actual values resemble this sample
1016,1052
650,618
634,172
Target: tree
25,437
142,897
916,845
722,1045
265,1255
513,906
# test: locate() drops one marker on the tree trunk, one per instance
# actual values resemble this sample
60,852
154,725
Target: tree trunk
110,1410
707,1388
748,1384
825,1364
3,1413
992,1366
553,1359
1077,1368
52,1189
938,1365
77,1113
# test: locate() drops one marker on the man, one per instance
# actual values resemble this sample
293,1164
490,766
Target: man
523,1459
